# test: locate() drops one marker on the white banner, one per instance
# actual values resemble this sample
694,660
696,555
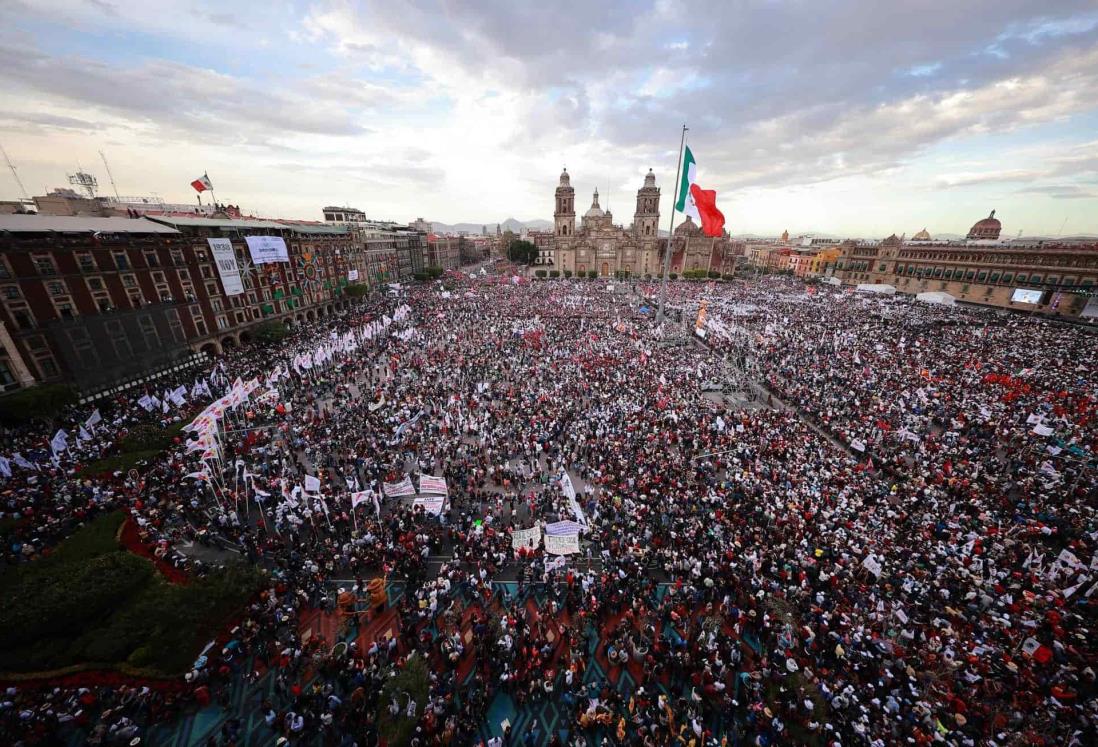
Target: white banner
227,268
267,249
312,484
562,544
352,275
431,504
528,538
404,487
432,484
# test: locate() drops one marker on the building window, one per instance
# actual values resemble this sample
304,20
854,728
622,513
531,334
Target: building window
129,281
57,288
65,308
46,365
121,261
176,256
222,322
151,259
1007,278
175,326
86,262
148,332
136,299
44,265
12,293
121,343
5,271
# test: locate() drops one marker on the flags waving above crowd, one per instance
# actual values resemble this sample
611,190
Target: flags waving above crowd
700,204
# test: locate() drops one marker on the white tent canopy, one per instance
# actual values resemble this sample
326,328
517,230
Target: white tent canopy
832,280
937,297
885,290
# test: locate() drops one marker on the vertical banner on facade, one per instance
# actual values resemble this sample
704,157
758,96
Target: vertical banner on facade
225,258
267,249
352,275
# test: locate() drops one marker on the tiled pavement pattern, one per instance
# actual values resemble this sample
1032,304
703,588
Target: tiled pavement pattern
546,716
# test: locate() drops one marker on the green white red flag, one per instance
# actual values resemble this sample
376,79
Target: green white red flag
700,204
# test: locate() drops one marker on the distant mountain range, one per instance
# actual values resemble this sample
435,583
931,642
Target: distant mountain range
511,224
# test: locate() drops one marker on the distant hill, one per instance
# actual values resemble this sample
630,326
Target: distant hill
510,224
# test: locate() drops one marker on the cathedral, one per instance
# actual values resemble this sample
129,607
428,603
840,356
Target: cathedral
600,246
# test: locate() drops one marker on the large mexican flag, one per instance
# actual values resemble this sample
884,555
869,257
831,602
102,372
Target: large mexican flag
700,204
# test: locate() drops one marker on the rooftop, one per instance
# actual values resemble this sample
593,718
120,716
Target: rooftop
80,224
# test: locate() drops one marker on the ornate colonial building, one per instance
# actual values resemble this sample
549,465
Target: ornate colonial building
598,244
1057,277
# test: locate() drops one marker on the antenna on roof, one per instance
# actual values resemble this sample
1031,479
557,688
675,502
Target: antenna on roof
14,173
110,176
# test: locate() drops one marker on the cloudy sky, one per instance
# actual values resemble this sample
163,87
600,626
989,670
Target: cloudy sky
858,118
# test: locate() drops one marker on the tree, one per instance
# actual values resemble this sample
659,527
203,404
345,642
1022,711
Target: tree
523,252
554,273
567,273
539,273
592,274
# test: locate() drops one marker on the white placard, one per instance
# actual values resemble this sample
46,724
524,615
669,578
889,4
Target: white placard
352,275
562,544
528,538
227,268
267,249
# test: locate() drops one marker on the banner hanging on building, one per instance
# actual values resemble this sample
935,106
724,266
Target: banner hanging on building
227,268
267,249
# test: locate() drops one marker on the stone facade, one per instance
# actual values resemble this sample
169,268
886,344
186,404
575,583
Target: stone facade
598,244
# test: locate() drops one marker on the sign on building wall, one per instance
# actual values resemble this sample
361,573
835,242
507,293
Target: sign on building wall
227,268
352,275
267,249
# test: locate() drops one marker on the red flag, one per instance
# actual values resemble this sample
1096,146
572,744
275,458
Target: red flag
712,219
202,183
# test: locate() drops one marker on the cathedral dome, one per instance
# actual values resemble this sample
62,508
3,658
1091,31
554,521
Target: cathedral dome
921,236
688,228
649,179
565,180
595,211
988,228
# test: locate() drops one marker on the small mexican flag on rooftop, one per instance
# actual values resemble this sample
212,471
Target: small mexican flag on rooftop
698,203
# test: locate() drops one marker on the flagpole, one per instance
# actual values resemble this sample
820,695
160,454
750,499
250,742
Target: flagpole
671,229
212,193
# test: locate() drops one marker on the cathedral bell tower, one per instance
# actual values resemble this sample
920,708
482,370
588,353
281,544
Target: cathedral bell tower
646,220
564,217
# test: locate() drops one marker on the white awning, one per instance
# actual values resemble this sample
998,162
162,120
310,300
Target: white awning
937,297
886,290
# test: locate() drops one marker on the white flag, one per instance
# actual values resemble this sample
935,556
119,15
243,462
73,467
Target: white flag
94,419
312,484
59,443
5,467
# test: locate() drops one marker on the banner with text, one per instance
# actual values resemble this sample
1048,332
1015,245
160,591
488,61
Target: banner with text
267,249
227,268
562,544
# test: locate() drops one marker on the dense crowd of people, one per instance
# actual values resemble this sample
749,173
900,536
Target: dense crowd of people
900,547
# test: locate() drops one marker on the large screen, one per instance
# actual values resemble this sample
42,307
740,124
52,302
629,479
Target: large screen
1026,295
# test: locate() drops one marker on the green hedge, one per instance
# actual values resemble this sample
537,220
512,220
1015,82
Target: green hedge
36,402
412,679
554,273
93,603
591,274
539,273
567,273
270,331
142,443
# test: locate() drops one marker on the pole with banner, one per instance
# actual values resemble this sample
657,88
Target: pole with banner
671,230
